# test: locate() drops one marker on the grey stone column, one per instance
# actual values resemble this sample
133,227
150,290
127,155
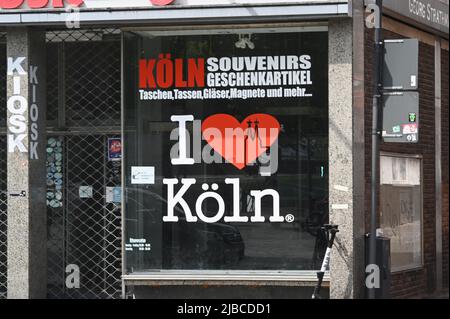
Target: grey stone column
359,169
26,105
346,158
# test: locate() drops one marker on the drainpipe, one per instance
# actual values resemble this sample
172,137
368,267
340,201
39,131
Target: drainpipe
376,128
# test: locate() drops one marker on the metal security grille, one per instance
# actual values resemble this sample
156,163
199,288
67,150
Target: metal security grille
83,86
83,35
53,59
84,217
93,84
3,197
85,230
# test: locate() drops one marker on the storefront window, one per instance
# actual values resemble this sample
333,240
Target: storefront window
401,210
226,149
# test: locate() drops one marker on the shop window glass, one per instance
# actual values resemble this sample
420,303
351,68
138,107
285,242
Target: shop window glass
224,124
401,210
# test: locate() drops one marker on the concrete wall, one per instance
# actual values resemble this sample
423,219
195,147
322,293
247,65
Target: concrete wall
340,156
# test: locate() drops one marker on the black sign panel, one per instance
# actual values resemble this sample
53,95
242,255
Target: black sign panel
401,117
401,64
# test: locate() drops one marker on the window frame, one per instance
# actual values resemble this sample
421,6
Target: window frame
307,277
403,269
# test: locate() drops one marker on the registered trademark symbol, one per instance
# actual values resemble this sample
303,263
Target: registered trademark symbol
289,218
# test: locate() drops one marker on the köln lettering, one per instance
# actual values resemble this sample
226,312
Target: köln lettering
165,72
177,199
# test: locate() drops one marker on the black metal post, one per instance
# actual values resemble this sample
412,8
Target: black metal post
376,116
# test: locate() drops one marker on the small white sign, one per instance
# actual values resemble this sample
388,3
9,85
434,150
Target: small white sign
113,194
85,192
413,80
143,175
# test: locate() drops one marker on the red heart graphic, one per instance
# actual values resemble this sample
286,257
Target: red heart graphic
240,143
161,2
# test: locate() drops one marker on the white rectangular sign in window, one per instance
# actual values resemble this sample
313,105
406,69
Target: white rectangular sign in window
144,175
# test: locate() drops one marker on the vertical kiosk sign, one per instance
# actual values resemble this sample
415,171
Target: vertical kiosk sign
400,97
